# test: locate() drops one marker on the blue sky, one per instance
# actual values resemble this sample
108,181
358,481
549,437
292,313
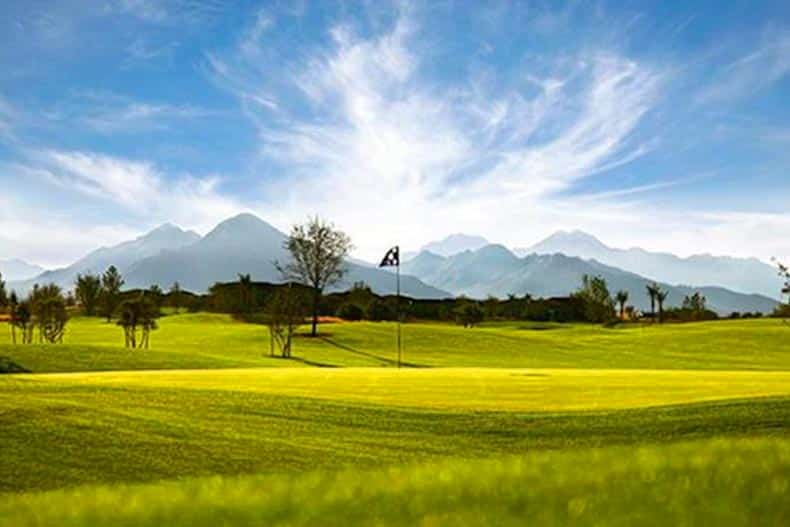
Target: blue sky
659,124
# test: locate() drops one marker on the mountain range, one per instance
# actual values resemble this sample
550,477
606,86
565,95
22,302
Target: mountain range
244,244
495,270
16,269
457,265
744,275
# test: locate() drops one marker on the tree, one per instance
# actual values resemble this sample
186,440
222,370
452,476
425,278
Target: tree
246,299
661,296
491,307
318,252
175,296
652,291
48,309
285,312
3,294
598,304
111,282
156,296
13,301
468,313
622,297
784,274
137,317
88,289
22,319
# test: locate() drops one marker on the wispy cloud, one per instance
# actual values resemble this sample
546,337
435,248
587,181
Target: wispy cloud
768,63
138,187
383,141
111,113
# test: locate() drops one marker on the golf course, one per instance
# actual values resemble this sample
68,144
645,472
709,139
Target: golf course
504,423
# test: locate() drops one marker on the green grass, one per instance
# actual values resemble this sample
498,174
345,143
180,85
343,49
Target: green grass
711,482
215,341
72,429
504,424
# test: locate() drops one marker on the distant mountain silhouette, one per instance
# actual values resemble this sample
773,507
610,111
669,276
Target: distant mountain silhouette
122,256
454,244
244,244
494,270
16,269
745,275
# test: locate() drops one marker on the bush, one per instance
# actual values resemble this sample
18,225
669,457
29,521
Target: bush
350,311
380,309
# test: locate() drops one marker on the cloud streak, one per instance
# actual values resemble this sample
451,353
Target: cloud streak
383,144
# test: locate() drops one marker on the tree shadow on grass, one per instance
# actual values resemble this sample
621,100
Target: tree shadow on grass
9,366
384,360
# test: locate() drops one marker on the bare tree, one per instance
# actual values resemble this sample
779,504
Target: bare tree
318,252
285,312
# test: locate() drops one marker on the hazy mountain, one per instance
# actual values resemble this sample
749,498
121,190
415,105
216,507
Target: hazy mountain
15,269
746,275
122,256
494,270
454,244
245,244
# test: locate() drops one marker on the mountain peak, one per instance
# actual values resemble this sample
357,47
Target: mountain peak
455,243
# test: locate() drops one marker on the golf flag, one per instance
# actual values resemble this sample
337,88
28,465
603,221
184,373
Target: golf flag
392,258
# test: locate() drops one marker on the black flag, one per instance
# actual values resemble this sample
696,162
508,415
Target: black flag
392,258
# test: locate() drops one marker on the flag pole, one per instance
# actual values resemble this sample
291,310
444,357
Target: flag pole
397,288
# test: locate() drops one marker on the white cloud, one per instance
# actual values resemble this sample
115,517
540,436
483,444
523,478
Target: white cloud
389,155
768,63
138,187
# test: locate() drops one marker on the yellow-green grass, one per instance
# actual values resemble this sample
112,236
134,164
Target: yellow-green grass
446,389
741,482
216,341
70,429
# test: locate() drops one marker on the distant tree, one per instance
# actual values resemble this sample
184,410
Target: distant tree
491,307
652,292
695,302
661,297
246,298
88,289
350,311
599,306
379,309
3,294
318,252
111,282
622,297
468,313
49,312
784,273
156,296
13,301
137,317
285,312
22,320
175,296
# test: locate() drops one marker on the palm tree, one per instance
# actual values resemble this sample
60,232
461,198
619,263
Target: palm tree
652,291
622,298
661,295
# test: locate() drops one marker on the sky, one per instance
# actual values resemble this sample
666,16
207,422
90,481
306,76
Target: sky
663,124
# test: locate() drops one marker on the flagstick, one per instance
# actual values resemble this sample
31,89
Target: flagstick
397,280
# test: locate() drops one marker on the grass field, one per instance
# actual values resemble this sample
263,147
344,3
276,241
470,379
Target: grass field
216,341
684,424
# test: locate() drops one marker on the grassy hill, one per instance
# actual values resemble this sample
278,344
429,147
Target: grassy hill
502,424
198,341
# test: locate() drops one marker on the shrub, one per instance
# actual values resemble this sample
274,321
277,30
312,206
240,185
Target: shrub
350,311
